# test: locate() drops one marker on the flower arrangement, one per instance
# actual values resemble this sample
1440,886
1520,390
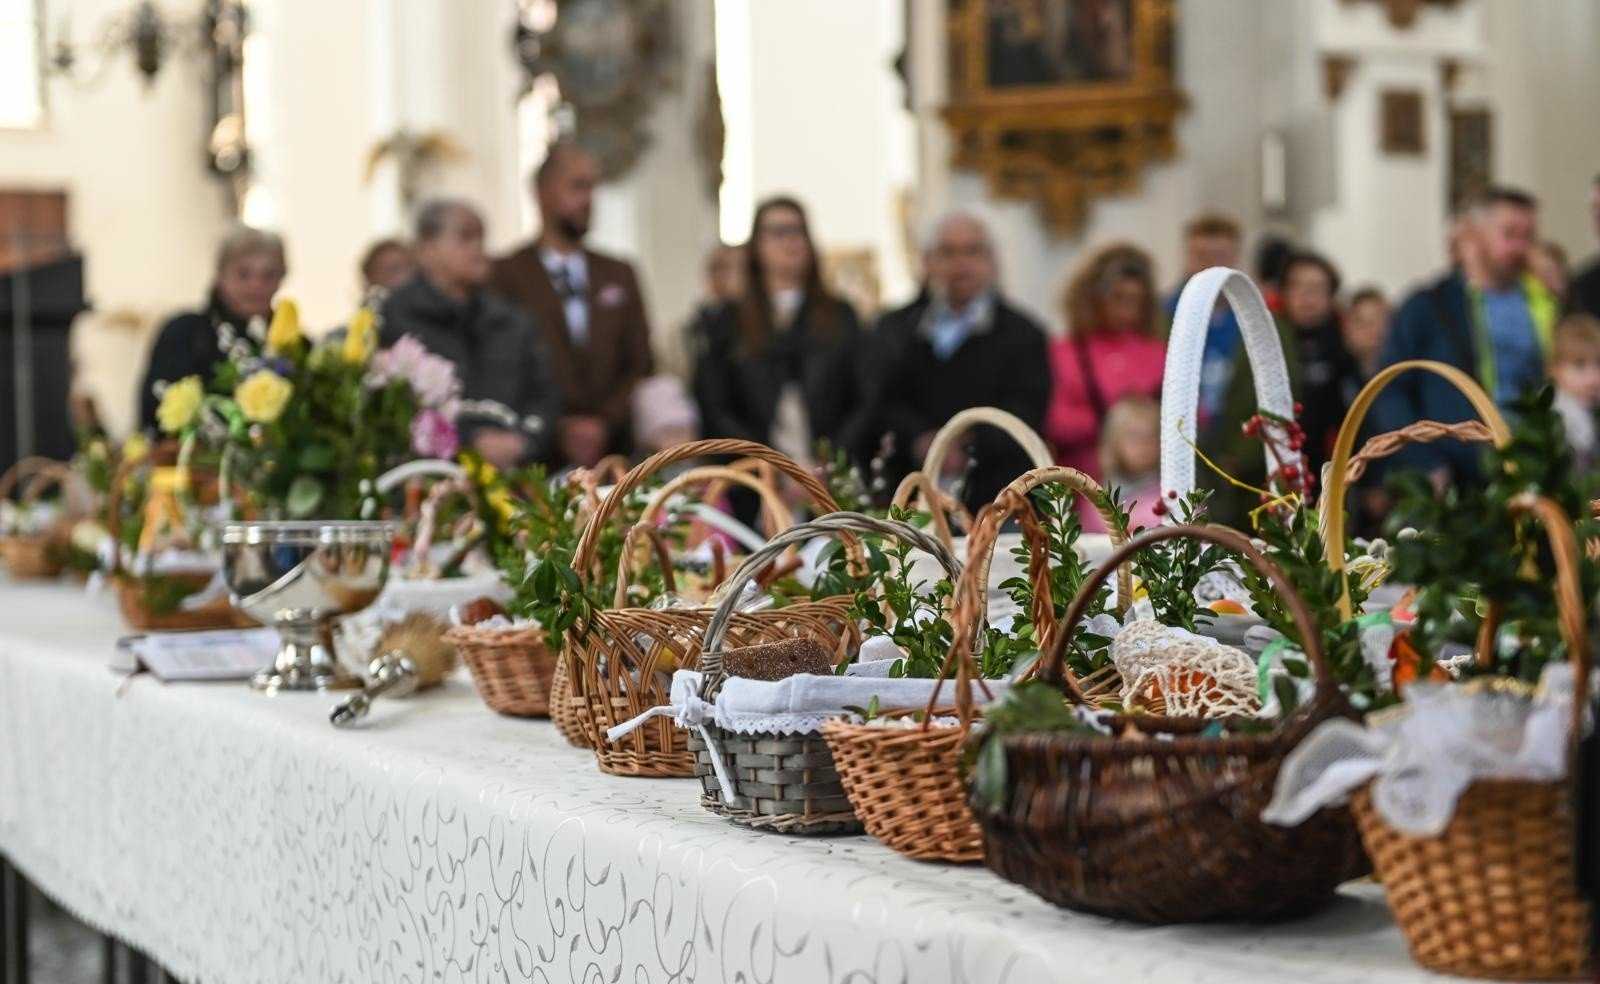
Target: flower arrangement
303,427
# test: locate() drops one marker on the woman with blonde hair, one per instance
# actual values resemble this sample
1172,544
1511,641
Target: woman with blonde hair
1112,349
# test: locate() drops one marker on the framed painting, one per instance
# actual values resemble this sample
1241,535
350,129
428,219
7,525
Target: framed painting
1061,101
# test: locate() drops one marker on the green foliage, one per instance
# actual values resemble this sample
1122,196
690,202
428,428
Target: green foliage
1172,569
1056,506
1291,540
844,481
1471,552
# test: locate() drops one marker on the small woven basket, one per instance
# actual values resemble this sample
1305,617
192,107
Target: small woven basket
783,782
615,656
135,592
1164,826
512,667
40,554
1496,894
906,785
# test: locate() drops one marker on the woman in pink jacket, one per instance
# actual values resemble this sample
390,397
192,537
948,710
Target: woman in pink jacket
1113,348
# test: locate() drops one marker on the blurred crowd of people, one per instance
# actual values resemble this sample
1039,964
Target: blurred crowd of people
559,333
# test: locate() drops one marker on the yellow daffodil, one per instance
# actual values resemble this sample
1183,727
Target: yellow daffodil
499,499
479,471
135,447
361,337
284,332
263,395
179,404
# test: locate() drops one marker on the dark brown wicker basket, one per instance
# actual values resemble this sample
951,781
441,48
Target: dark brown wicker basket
784,782
512,666
1166,826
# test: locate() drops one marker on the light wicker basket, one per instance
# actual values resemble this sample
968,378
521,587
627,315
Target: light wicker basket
513,668
41,553
906,785
616,655
783,782
1496,893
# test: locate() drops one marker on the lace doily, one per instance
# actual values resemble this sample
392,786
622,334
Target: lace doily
1177,672
1422,755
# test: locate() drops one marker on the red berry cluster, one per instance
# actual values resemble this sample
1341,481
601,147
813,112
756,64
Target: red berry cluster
1289,471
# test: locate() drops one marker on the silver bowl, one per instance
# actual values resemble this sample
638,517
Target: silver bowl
298,577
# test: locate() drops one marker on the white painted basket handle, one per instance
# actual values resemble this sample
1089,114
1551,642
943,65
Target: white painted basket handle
1180,387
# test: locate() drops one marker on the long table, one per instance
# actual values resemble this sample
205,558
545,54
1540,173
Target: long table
238,837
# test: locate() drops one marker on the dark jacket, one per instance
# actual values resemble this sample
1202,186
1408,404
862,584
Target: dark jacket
598,377
189,344
1435,322
495,351
739,389
1225,443
1005,366
1584,294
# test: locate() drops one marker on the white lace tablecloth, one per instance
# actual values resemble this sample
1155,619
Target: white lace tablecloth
238,837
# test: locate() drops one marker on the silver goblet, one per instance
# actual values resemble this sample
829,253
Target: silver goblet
298,577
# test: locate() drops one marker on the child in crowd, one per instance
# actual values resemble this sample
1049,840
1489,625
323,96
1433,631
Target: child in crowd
1130,459
1575,369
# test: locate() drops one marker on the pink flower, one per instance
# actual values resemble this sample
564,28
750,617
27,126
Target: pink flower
431,377
433,435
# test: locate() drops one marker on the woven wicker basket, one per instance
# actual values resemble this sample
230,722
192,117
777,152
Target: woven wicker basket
40,554
783,782
1496,894
513,668
906,785
1165,826
615,657
134,591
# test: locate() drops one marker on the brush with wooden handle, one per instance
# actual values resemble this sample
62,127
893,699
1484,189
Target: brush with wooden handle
412,656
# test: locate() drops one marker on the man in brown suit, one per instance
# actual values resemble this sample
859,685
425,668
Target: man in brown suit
587,307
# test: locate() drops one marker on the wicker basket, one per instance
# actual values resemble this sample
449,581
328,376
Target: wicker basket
1165,826
615,657
715,481
783,782
1496,894
906,785
40,554
134,590
512,667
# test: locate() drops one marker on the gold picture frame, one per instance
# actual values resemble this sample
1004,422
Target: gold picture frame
1062,101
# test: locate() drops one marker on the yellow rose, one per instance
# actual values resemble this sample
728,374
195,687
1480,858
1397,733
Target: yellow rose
179,404
263,395
284,332
135,447
361,337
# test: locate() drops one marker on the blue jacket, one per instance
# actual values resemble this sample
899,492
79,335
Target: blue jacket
1433,323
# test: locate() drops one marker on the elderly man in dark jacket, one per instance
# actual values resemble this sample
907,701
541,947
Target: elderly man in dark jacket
959,344
512,405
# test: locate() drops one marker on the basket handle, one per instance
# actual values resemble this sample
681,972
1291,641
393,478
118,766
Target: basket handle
940,505
588,543
835,522
428,514
54,474
1381,446
33,466
658,547
1338,487
1573,616
1180,382
945,437
717,477
1055,669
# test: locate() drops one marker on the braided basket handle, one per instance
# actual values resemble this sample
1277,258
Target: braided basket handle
1381,446
1573,614
920,487
1055,670
1180,382
35,467
584,556
1015,428
1339,479
832,523
54,475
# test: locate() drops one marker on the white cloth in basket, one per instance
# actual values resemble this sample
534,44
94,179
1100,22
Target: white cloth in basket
1422,755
